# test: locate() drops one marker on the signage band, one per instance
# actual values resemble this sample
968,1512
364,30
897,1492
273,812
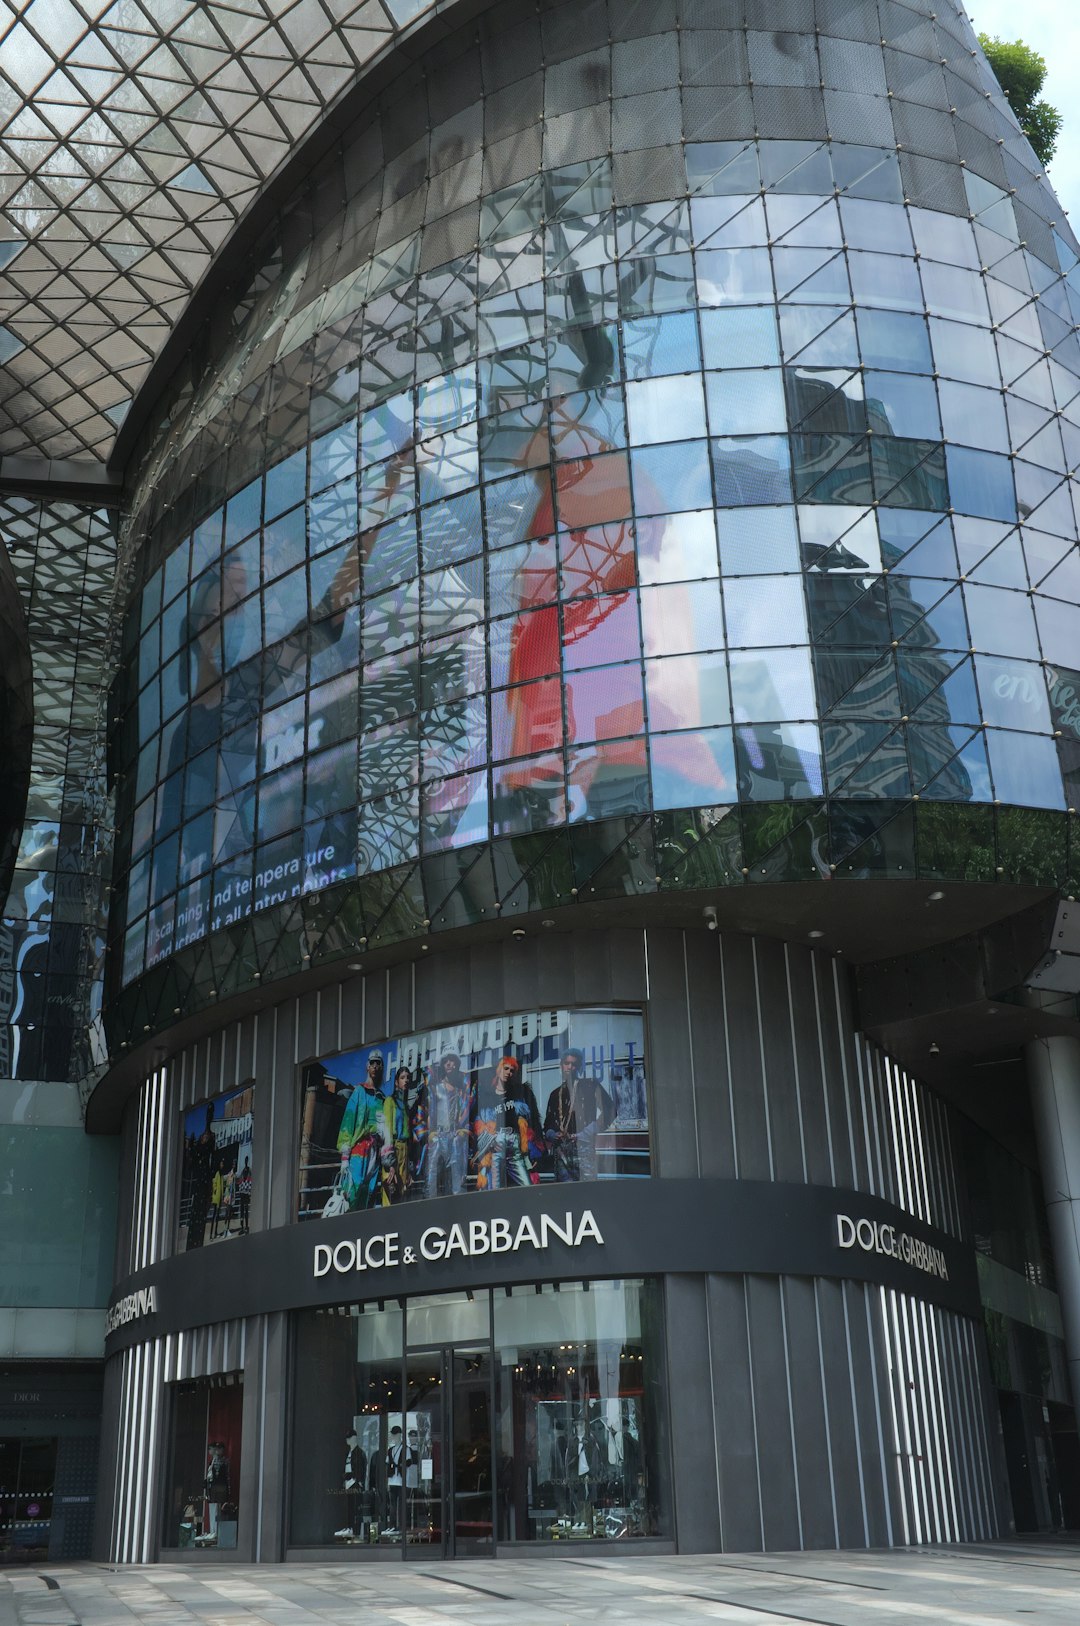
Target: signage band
468,1238
876,1236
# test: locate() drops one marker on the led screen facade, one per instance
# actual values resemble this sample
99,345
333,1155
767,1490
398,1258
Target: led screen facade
663,482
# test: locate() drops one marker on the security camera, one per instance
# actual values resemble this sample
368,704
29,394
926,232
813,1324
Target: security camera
710,917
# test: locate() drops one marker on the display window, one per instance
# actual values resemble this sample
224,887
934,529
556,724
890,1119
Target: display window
450,1424
27,1479
203,1479
528,1099
217,1170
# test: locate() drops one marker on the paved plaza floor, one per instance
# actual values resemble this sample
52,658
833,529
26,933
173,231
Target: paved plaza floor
971,1586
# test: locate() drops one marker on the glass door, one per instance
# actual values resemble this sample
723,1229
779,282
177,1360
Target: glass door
416,1479
439,1495
27,1472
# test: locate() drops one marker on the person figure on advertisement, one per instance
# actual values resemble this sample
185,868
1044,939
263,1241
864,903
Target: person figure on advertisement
228,1199
217,1488
243,1196
449,1113
576,1113
217,1196
365,1142
407,1115
507,1133
201,1154
418,1136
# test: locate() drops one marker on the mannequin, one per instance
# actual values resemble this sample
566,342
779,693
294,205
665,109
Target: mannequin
217,1486
402,1473
354,1480
582,1466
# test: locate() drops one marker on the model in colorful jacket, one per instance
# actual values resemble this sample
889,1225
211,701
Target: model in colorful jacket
449,1116
407,1114
508,1139
366,1142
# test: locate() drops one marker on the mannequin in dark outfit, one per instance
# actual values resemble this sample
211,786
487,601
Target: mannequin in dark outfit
355,1481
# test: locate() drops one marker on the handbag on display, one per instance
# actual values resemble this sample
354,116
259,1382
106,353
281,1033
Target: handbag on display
337,1202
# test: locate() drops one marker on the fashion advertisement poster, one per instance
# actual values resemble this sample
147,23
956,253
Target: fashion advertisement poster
216,1174
537,1097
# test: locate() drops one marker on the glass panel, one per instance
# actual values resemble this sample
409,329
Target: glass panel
895,341
1025,769
680,547
902,404
973,416
694,769
981,483
740,337
752,470
670,479
765,610
745,402
778,763
1001,621
1013,694
756,541
581,1417
447,1318
678,619
772,689
964,352
687,691
661,409
345,1404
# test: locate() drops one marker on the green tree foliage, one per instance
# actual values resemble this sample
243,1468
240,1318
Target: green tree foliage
1020,72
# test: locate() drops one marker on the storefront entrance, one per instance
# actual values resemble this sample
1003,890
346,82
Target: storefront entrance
440,1494
459,1424
27,1480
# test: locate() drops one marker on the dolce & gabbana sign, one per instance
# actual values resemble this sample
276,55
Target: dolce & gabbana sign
131,1308
615,1228
877,1236
466,1239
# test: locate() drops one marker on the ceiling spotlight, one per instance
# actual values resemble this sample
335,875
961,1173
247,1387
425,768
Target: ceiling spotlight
815,933
518,931
711,921
354,965
935,1050
936,897
547,923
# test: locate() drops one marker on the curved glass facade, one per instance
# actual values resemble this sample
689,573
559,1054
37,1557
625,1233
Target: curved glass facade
614,499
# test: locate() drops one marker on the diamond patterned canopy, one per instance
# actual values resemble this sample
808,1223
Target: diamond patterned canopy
132,137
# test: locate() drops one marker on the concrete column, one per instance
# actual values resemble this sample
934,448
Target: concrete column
1053,1070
